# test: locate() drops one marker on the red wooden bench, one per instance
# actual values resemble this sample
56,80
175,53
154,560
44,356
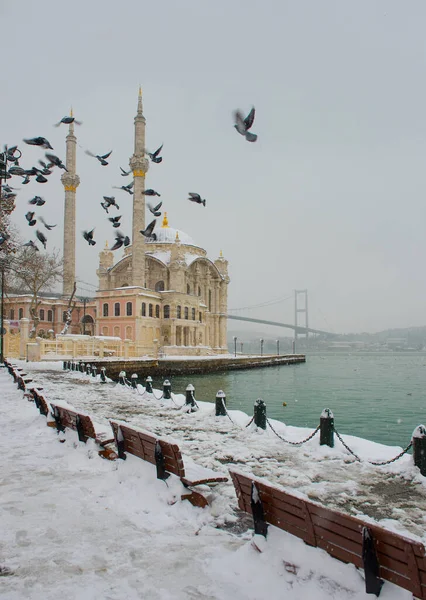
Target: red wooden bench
167,457
67,417
381,553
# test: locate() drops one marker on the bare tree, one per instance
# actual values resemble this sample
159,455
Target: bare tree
70,308
33,272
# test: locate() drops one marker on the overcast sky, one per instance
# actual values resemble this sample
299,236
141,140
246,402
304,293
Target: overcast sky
332,196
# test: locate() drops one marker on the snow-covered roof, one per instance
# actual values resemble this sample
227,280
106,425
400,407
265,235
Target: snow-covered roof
168,235
161,255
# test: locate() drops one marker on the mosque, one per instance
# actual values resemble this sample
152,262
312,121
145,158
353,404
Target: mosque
163,294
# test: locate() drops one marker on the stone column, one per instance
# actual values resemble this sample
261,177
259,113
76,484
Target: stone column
173,333
24,327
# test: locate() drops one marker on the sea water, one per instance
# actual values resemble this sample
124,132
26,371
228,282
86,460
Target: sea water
377,396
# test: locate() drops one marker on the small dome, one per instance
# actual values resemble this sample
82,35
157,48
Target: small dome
168,235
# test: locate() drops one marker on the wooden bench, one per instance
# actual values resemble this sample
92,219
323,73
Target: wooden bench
41,402
381,553
66,417
166,456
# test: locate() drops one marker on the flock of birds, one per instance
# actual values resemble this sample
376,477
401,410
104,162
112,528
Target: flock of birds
11,167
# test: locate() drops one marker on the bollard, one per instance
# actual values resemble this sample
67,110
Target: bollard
94,371
82,367
73,366
419,448
190,397
69,365
64,365
327,428
167,390
259,413
103,375
148,385
134,379
122,377
220,404
88,369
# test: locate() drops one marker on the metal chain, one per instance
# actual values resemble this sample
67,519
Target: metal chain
250,422
346,446
372,462
227,413
293,443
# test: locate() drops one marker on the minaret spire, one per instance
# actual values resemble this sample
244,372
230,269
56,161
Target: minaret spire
139,165
70,181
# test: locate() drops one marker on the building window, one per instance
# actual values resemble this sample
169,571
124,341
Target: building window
150,310
21,313
129,309
42,314
128,332
159,286
167,311
193,314
105,310
117,309
188,288
50,315
210,300
199,291
105,330
116,331
157,311
186,313
64,316
200,317
143,309
124,285
178,312
12,314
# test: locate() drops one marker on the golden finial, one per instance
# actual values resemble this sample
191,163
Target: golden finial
71,112
177,237
140,91
106,244
221,254
165,221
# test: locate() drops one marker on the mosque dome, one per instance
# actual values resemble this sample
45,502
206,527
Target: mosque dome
168,235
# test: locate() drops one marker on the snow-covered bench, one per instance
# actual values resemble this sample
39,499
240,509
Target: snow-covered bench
167,457
68,417
381,553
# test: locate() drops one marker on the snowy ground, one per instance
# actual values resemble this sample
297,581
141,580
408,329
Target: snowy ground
77,526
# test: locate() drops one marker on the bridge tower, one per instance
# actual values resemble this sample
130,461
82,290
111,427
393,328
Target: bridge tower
300,310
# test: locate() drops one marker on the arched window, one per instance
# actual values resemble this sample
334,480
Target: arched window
105,309
50,315
159,286
157,311
117,309
116,331
199,291
129,309
64,316
105,330
41,314
166,311
186,313
12,314
210,300
178,312
200,317
21,313
143,309
150,310
188,288
193,314
124,285
128,332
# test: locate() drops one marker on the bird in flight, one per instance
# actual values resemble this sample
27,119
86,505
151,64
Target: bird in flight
120,240
115,221
55,161
49,227
41,237
32,245
148,231
126,188
196,198
37,200
30,218
242,125
88,236
150,192
101,157
39,141
125,173
155,209
154,155
67,121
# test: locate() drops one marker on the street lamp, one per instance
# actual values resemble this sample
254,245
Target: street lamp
278,347
241,347
261,346
235,345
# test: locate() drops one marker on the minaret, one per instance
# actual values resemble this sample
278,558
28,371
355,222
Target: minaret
70,181
139,165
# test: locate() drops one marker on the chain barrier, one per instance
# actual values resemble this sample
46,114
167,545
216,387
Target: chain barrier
310,436
250,422
372,462
227,413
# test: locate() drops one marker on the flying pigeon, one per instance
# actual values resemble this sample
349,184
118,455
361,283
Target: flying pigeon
115,221
126,188
37,201
101,158
39,141
8,189
42,179
243,125
31,245
67,121
105,206
30,218
150,192
17,171
155,209
125,173
196,198
88,236
55,161
26,180
148,231
120,240
49,227
154,156
40,236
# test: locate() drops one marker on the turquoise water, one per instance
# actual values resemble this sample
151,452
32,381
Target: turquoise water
378,396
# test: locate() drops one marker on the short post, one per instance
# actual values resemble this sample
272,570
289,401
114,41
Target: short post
241,347
103,374
82,367
293,347
190,396
64,365
69,365
278,347
327,428
220,404
259,413
73,366
419,448
94,369
122,377
235,345
89,369
167,390
148,384
261,346
134,379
